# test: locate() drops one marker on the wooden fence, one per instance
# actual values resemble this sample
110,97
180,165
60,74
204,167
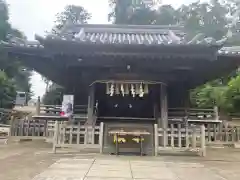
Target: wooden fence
5,115
193,113
4,133
56,109
61,134
29,129
175,137
77,136
179,138
223,133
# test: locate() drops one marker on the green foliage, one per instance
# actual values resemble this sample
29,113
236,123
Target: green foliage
4,25
233,94
14,76
209,95
214,19
71,15
7,91
53,96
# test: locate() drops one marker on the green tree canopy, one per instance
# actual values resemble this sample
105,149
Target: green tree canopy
71,15
15,77
215,19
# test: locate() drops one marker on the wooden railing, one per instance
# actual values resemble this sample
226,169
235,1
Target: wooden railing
193,113
29,128
61,134
78,136
223,133
180,138
5,115
56,109
4,133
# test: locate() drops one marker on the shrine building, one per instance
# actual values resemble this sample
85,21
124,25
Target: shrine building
127,75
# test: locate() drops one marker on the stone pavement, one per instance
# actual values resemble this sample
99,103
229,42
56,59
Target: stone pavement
122,169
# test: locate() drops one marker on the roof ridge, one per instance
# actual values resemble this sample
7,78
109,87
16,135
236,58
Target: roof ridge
126,28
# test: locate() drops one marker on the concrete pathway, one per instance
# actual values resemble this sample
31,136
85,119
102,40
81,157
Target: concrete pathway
120,169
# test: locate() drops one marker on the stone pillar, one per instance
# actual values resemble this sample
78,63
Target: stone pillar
38,106
216,113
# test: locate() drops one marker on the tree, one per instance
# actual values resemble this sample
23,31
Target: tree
47,82
54,96
214,19
7,91
210,95
14,76
70,16
128,12
4,25
207,18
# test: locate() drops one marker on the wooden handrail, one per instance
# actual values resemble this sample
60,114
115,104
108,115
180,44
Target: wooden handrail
193,109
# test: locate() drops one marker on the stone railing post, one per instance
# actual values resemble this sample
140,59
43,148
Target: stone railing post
12,129
38,106
156,140
203,143
55,136
101,135
194,137
216,113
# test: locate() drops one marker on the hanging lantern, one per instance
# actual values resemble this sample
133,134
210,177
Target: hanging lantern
112,90
126,89
117,89
122,90
141,92
146,90
107,88
133,90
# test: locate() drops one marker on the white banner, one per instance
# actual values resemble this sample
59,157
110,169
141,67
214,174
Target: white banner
67,105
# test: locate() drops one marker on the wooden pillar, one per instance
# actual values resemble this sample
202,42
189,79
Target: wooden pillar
89,123
90,103
163,121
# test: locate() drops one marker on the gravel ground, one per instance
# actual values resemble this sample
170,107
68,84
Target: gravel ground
23,161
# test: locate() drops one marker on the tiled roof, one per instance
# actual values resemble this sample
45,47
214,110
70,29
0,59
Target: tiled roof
230,51
115,34
148,35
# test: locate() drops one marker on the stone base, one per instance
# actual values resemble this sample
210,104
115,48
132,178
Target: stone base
217,144
237,145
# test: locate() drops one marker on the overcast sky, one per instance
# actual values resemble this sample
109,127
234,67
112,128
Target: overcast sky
37,16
